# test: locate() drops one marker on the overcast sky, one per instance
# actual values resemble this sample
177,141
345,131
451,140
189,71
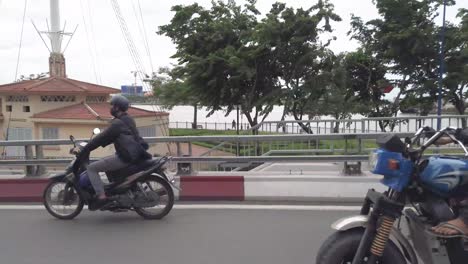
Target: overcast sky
98,53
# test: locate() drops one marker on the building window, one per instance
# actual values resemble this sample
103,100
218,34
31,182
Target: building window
96,99
17,98
9,108
26,109
58,98
50,133
147,131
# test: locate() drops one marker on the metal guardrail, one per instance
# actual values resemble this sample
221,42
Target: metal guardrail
244,159
267,144
247,149
235,139
325,126
328,158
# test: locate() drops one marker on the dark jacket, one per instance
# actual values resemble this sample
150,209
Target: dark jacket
122,125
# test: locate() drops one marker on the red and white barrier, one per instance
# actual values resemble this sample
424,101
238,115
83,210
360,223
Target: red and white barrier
231,188
22,190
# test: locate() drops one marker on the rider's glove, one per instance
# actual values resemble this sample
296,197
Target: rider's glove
429,131
76,150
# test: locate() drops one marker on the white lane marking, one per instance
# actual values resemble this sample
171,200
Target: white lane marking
270,207
224,207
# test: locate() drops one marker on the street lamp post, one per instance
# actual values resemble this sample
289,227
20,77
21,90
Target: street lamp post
237,130
144,78
135,83
441,68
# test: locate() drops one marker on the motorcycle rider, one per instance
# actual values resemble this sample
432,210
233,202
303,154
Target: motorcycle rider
457,227
122,123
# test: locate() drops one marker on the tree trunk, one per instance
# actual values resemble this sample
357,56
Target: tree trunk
304,127
195,115
382,126
336,129
461,111
252,123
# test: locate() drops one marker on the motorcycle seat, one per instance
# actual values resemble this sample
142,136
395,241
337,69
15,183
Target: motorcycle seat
131,169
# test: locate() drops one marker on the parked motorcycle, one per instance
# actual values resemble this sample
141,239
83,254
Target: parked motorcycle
392,227
142,187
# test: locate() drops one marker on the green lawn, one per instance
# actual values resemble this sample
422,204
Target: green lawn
177,132
249,148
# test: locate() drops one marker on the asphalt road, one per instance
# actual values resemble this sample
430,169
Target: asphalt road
195,236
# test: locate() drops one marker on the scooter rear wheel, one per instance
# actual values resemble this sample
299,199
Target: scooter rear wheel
160,190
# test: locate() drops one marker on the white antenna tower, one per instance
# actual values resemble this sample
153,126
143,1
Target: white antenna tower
55,34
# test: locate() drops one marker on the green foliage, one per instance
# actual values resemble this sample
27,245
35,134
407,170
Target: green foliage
302,63
456,80
337,100
220,60
404,42
366,77
228,57
170,90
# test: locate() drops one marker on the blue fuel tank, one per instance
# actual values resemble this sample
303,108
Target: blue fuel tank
445,174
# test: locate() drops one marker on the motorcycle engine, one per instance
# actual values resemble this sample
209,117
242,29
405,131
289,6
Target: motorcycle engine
438,210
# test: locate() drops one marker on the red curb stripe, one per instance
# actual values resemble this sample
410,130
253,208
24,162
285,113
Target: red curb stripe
22,190
194,188
22,181
212,188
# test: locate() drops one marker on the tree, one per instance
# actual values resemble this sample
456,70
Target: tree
302,63
337,100
417,103
170,91
456,79
366,77
404,39
221,61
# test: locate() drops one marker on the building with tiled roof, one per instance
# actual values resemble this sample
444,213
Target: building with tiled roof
55,85
57,107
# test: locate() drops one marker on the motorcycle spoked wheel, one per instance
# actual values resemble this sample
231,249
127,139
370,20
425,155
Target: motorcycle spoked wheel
160,191
62,201
341,247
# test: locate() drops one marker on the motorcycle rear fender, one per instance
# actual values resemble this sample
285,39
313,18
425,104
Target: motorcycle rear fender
58,177
170,181
62,176
360,221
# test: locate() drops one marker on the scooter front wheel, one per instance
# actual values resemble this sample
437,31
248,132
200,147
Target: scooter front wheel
62,200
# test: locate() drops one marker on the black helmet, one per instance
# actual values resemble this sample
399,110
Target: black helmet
121,102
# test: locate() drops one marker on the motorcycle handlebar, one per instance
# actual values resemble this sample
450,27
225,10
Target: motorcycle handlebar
434,136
